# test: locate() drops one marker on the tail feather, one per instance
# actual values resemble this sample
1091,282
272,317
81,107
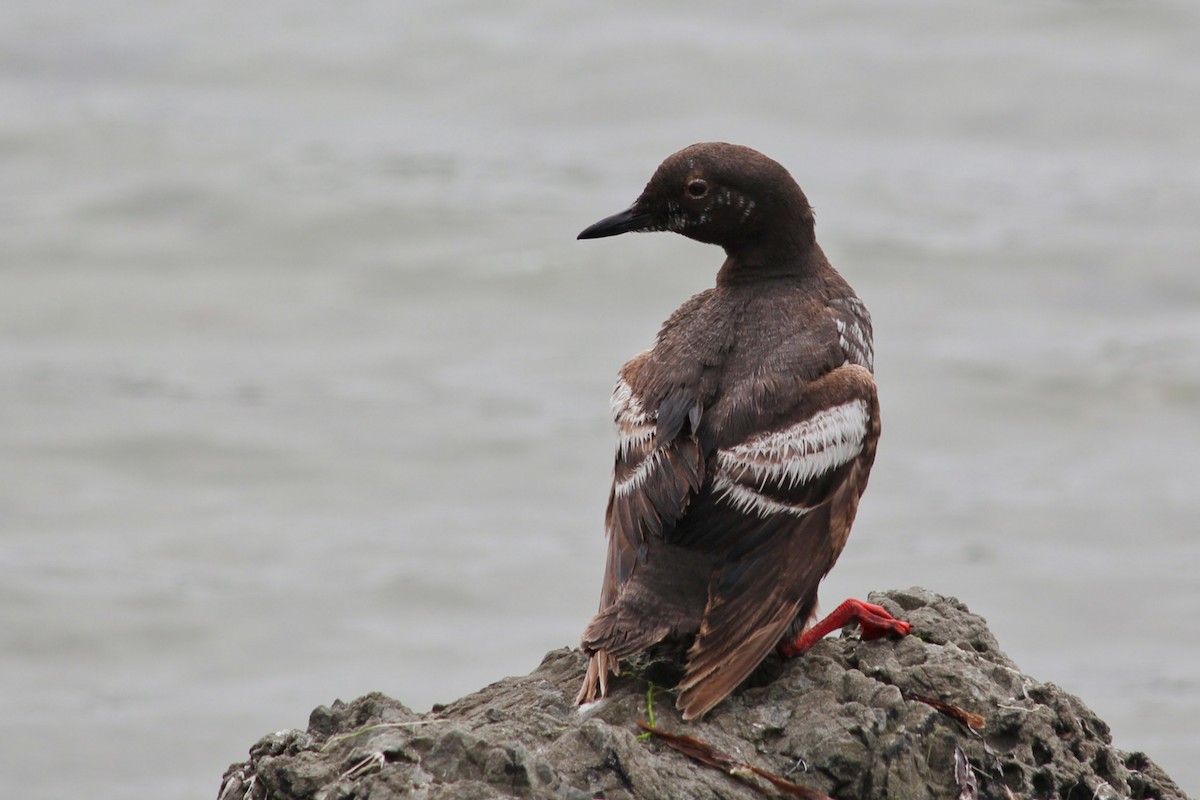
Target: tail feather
608,639
595,681
711,676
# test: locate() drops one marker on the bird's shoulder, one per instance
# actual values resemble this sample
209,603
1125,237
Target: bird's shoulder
741,360
787,345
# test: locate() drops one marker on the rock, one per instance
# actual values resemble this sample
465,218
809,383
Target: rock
841,720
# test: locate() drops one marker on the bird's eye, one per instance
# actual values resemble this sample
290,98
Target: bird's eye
697,188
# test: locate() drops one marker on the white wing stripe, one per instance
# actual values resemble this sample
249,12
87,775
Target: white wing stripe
791,457
633,437
749,501
639,476
625,406
635,429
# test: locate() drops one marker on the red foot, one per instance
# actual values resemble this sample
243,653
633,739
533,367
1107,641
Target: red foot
876,622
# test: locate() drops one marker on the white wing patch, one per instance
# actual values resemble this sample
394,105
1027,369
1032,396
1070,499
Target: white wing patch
749,501
635,428
635,439
782,460
635,479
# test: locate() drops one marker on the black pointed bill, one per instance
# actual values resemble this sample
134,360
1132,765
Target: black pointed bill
631,219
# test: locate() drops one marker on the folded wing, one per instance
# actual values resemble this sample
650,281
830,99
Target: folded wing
779,510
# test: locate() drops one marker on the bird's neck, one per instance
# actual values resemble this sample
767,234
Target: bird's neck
766,260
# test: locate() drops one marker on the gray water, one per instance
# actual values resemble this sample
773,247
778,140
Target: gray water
304,378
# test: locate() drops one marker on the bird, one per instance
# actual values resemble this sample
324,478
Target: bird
745,438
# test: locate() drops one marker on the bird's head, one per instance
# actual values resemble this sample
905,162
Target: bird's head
718,193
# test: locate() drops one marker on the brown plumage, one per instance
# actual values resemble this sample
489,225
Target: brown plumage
745,436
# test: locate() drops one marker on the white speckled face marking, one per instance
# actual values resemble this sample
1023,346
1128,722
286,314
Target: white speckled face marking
676,219
728,197
784,459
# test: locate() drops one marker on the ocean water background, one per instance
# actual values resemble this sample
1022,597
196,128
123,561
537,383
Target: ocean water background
304,378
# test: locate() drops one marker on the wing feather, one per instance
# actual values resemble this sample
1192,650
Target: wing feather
732,546
659,468
781,504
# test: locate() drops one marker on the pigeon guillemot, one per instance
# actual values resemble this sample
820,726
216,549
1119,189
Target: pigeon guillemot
744,437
